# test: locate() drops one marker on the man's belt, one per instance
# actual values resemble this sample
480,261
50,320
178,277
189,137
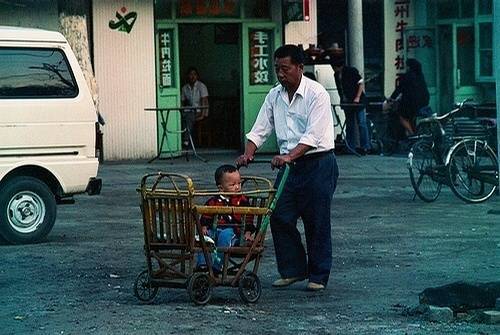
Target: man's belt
313,156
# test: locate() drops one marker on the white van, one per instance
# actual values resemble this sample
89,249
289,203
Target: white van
47,132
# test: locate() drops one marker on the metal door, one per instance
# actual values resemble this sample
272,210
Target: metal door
168,83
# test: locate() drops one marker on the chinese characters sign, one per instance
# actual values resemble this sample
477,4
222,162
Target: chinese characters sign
166,48
213,8
261,48
419,40
401,14
420,45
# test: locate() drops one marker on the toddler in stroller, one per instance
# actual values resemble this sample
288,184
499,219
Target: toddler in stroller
225,231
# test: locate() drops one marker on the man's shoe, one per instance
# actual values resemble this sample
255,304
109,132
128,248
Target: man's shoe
315,286
282,282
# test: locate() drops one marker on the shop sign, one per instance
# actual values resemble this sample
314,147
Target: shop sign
166,43
401,15
420,40
261,44
124,22
209,8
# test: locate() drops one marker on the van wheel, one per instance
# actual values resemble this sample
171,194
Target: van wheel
27,210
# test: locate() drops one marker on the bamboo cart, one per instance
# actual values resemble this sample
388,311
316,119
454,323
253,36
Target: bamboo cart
171,210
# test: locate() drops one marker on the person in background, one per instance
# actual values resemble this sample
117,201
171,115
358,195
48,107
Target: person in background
413,96
194,94
298,111
352,90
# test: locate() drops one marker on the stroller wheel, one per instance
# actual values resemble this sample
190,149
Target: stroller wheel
249,287
143,289
200,288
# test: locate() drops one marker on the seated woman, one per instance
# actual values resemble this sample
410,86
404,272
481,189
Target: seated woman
412,95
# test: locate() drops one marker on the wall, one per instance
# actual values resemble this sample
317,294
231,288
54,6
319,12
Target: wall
125,71
30,13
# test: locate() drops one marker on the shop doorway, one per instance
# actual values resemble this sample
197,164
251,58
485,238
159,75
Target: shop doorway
214,49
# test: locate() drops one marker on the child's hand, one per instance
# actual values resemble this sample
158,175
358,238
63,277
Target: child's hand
204,230
248,236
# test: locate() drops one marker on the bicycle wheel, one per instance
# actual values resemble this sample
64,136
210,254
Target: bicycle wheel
423,171
473,171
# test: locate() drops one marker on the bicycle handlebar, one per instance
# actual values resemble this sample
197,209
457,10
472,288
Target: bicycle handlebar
447,115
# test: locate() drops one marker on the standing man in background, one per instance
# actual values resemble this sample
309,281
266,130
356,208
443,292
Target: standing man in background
352,90
194,94
300,114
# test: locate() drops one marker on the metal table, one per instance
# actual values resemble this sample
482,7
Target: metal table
164,114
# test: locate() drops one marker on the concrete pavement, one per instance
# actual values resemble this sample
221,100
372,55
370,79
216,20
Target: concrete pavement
386,249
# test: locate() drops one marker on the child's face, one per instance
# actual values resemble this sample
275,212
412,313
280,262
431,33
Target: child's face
231,182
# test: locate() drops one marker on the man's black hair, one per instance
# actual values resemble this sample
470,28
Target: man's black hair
414,65
192,68
289,50
221,170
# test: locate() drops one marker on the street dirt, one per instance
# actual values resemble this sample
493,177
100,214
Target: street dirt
386,249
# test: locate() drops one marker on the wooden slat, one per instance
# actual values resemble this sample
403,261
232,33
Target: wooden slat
183,219
152,218
211,210
161,221
173,224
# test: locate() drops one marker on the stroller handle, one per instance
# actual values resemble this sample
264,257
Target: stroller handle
261,161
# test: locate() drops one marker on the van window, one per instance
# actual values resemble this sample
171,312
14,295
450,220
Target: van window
35,73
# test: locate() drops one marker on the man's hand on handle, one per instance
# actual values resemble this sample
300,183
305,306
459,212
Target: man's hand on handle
280,160
243,160
248,156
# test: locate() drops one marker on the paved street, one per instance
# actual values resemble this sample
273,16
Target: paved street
387,248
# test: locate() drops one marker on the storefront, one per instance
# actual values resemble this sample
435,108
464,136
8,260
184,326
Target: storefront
452,39
231,44
146,48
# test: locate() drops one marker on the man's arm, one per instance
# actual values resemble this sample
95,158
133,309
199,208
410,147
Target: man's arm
361,88
319,122
262,128
298,151
203,112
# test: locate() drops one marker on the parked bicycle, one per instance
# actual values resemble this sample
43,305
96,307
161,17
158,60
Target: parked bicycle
454,152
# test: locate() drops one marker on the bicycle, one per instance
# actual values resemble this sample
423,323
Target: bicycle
453,152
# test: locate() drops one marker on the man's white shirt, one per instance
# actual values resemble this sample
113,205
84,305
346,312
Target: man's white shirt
307,119
194,94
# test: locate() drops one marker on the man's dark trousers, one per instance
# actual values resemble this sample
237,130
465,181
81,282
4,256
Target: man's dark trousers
307,194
